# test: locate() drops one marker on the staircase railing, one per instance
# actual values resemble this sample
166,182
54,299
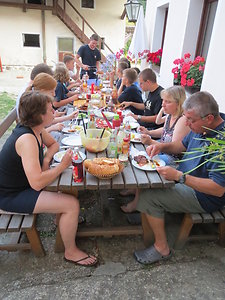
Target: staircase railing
79,20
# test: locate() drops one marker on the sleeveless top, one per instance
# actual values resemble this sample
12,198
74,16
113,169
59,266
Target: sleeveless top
12,175
167,133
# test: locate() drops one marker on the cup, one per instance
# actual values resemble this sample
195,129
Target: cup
77,170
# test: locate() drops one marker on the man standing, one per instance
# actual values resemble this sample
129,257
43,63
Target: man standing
90,57
152,106
199,189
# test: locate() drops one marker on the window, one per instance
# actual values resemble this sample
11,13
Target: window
65,45
164,27
87,3
206,27
102,43
35,1
31,40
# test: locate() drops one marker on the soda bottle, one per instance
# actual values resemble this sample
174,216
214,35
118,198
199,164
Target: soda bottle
77,163
112,146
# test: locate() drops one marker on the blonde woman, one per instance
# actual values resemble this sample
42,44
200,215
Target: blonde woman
175,129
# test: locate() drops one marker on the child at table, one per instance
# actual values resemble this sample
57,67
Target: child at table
131,92
62,95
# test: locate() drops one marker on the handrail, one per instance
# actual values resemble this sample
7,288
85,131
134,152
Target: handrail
7,122
85,22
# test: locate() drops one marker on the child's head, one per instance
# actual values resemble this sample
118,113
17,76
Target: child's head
69,62
61,73
44,83
130,75
40,68
137,70
124,59
121,67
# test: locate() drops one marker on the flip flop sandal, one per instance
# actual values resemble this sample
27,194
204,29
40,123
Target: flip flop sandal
150,256
78,262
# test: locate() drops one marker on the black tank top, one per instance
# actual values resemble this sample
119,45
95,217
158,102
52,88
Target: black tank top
12,175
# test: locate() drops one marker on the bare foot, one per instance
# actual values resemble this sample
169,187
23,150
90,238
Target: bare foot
78,255
127,192
130,207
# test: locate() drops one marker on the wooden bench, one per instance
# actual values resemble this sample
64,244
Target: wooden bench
189,220
16,224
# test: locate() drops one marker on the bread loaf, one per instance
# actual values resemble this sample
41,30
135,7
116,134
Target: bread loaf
102,166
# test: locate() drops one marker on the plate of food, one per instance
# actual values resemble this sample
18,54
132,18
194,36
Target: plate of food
59,155
101,123
109,115
72,129
134,125
143,162
135,137
73,140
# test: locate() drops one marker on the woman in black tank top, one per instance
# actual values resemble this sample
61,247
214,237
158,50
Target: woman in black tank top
24,172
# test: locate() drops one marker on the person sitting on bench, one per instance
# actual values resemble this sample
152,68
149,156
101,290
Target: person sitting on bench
199,187
24,172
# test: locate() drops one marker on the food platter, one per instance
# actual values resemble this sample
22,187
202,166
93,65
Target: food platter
72,140
72,129
135,137
150,166
59,155
109,115
101,123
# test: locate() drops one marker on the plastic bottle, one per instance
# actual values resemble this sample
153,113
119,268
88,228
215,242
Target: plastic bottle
110,104
112,146
128,130
84,86
116,122
91,120
77,163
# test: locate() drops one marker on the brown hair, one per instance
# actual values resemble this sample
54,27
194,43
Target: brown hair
94,37
148,74
67,58
31,108
40,68
61,73
44,82
122,66
131,75
126,60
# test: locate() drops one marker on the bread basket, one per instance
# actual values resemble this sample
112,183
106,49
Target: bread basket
105,176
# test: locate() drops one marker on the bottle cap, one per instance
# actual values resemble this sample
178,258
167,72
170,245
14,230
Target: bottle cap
126,140
116,117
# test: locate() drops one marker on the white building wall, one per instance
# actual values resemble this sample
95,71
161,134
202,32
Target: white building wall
181,36
105,19
213,80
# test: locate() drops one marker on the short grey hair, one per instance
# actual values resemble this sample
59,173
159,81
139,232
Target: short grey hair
203,103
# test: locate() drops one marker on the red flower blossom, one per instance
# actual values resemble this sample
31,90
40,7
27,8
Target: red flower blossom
155,57
187,55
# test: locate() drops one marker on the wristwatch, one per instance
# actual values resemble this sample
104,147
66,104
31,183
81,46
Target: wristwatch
182,178
139,117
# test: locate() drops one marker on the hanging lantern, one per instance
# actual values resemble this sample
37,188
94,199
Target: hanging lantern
132,9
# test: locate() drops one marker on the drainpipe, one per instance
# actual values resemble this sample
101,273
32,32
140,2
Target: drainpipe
43,35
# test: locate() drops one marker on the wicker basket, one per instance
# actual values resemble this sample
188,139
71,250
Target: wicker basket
121,167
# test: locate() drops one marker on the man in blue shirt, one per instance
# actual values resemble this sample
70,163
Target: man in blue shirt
200,188
90,56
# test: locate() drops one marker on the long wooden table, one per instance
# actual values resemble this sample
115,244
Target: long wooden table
130,178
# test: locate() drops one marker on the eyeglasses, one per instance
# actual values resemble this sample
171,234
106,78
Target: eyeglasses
190,121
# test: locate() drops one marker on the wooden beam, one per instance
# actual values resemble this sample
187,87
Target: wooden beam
123,14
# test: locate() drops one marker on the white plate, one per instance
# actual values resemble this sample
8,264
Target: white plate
59,155
72,129
135,137
73,140
134,125
106,90
148,166
109,115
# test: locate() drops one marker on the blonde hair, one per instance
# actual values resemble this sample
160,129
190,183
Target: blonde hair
177,94
61,73
43,82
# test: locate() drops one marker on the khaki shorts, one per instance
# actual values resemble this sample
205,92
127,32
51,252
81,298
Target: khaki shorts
179,199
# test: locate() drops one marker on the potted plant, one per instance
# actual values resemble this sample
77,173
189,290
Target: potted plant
155,57
189,73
